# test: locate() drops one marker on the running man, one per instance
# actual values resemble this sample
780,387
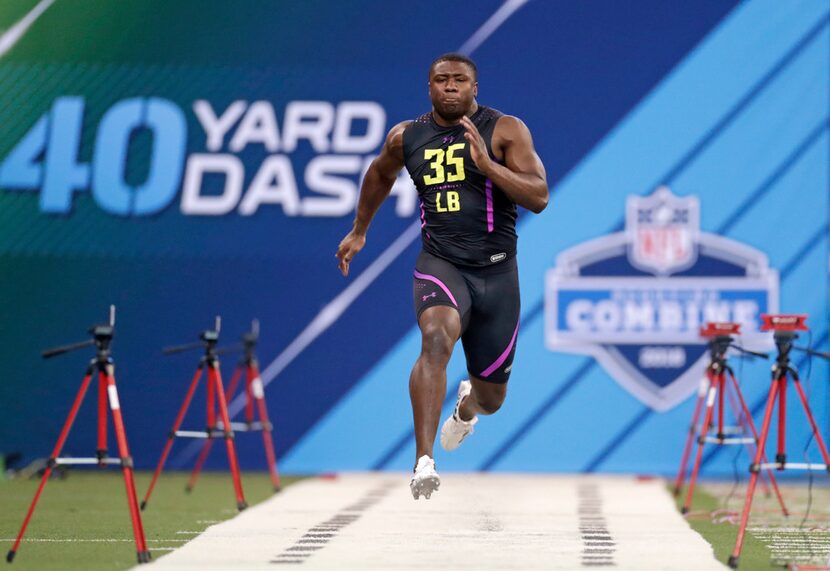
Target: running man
472,166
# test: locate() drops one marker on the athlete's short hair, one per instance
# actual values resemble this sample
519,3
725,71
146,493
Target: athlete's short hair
453,56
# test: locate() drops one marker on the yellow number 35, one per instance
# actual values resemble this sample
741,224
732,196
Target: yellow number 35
439,173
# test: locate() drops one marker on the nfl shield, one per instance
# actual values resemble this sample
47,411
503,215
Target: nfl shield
663,231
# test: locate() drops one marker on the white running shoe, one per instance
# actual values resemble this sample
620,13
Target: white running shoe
425,480
455,430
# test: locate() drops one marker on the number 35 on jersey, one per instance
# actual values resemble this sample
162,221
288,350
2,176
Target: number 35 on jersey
446,167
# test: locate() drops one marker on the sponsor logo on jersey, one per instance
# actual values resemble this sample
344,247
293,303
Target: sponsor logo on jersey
635,299
498,257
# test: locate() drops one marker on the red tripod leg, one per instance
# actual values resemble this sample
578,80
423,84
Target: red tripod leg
781,456
172,435
126,467
55,453
753,479
684,461
208,445
102,418
704,432
249,397
769,473
816,432
237,374
216,378
258,392
737,411
211,406
721,394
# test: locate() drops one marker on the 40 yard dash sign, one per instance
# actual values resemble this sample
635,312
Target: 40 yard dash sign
636,299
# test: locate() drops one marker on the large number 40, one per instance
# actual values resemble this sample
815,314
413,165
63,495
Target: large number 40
440,174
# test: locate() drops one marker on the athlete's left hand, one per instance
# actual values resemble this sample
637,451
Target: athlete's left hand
478,149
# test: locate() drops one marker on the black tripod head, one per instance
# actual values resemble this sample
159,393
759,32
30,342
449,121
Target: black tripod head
721,337
785,328
102,335
249,341
208,339
784,342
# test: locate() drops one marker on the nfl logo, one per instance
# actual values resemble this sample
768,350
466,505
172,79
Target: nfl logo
662,232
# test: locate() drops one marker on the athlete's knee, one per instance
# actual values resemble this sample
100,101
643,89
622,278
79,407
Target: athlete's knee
436,342
489,404
489,400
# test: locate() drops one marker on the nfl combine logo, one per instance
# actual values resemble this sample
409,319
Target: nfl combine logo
636,299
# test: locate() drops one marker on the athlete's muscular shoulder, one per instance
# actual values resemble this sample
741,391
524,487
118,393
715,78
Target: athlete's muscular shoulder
394,140
510,131
390,160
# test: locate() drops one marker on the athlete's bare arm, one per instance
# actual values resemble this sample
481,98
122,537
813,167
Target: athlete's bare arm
522,178
376,186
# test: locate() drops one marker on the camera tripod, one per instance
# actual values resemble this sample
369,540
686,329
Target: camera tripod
720,377
107,396
784,328
254,394
215,395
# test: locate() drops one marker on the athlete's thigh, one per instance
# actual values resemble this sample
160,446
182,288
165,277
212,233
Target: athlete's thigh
438,282
490,339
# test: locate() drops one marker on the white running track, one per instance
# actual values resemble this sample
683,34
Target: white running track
475,521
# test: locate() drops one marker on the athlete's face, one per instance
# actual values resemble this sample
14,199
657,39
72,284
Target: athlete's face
452,89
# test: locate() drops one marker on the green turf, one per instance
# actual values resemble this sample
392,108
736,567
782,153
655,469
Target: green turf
754,555
91,505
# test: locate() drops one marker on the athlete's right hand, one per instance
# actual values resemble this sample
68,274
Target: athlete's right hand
348,249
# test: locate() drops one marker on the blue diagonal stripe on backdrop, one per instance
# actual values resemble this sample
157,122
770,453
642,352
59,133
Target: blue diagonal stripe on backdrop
771,180
791,265
814,241
710,136
540,411
736,110
621,436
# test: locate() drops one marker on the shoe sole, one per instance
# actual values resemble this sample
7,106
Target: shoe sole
425,487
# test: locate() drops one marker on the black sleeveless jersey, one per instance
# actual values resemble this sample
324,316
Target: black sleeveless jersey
465,218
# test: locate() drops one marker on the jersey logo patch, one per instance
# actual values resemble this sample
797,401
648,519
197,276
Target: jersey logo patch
498,257
635,300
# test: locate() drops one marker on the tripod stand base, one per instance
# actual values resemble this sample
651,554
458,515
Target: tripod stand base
733,562
10,556
144,557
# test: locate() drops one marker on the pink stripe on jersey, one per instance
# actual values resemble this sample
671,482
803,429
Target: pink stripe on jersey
488,191
502,358
440,284
423,218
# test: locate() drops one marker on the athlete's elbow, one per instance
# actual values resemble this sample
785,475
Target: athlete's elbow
540,203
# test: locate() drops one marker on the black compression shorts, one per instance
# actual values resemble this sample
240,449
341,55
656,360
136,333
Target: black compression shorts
487,299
